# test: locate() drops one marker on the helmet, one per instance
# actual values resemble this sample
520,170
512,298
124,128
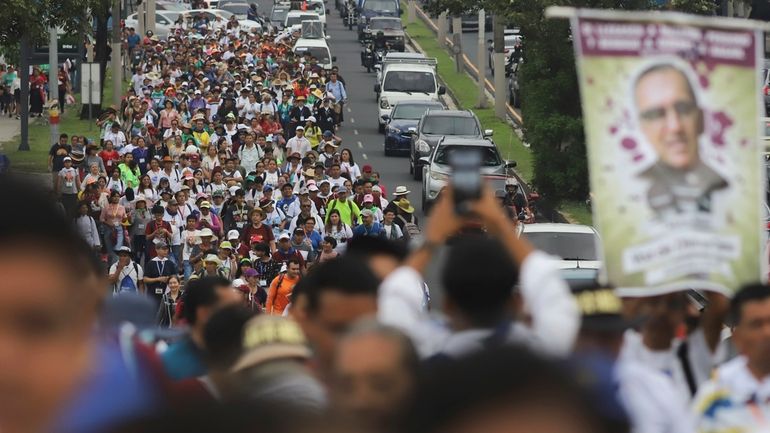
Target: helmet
511,182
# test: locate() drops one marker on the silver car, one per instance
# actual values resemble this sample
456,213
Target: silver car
437,172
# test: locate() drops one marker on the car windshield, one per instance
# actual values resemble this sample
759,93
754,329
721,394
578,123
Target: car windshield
413,111
317,7
385,24
177,7
409,81
320,53
237,9
489,155
380,5
279,14
568,246
450,125
294,20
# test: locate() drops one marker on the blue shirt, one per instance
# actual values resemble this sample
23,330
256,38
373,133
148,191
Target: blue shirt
133,40
362,230
119,387
142,158
315,239
284,203
337,89
183,360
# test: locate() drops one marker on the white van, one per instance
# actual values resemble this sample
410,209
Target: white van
317,48
402,77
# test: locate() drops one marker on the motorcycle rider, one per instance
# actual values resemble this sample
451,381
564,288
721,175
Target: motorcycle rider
251,14
514,196
379,41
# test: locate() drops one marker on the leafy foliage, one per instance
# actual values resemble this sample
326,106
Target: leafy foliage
35,17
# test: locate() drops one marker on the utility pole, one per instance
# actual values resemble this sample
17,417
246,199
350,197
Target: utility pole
117,70
412,10
150,18
457,42
53,80
499,61
481,61
140,22
24,77
442,29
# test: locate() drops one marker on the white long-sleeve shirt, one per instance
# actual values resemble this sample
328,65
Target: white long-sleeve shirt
651,400
555,316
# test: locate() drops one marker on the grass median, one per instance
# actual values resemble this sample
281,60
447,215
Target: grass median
465,91
35,160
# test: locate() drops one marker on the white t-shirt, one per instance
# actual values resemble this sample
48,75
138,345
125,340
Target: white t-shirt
189,240
133,271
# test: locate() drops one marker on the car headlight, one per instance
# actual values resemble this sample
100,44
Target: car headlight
399,39
392,130
384,103
422,146
441,177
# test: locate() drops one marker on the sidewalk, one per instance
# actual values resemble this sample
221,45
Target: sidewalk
9,128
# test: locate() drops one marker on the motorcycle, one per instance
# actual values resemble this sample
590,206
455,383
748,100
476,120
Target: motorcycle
368,58
351,16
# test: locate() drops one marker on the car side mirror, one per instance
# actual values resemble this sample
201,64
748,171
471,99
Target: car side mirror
424,161
441,90
377,88
412,130
400,11
377,67
385,117
334,58
510,164
488,132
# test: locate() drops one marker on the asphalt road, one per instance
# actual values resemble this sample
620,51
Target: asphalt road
359,130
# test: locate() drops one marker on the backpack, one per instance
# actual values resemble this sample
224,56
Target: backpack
411,230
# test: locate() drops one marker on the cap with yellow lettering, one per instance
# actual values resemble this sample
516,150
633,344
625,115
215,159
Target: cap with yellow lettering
269,338
601,309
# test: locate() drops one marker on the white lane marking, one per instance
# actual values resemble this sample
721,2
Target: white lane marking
364,155
352,120
349,110
355,132
360,145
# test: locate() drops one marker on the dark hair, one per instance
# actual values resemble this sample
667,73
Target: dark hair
129,194
347,275
506,377
292,261
479,261
366,247
201,292
751,293
45,225
331,240
223,335
261,246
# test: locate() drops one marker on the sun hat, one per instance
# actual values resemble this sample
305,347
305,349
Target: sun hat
269,338
405,206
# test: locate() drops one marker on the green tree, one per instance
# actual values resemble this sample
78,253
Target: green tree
35,17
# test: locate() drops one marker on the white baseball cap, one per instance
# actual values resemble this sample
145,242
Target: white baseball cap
233,234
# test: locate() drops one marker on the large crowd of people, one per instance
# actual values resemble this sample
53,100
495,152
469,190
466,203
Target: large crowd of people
217,261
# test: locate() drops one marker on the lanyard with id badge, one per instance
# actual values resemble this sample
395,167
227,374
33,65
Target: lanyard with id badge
159,290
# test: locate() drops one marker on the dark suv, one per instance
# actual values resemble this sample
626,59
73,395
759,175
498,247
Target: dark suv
434,125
